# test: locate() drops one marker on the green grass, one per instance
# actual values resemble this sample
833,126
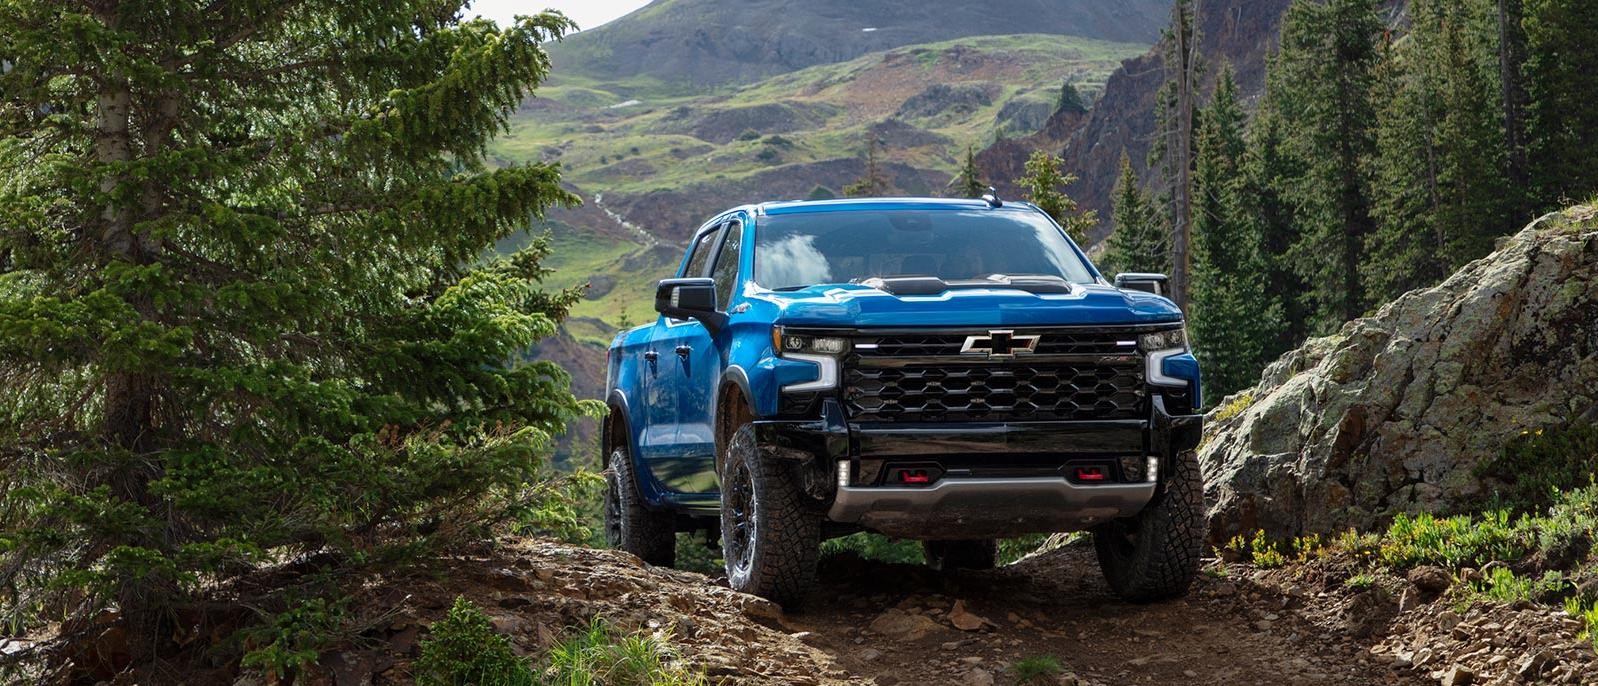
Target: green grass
463,648
1586,611
1038,669
597,656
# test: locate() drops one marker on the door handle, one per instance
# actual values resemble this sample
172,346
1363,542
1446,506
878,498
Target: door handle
683,350
651,356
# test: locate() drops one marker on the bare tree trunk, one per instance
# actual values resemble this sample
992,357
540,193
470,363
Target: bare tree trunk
1511,57
1182,156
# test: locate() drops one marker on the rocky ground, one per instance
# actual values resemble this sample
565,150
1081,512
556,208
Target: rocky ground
885,624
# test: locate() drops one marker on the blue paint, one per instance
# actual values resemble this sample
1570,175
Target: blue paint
668,405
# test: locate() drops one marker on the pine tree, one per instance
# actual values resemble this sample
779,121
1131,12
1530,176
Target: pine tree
243,312
874,184
1269,173
1321,84
1235,320
1561,78
1070,100
1441,194
1043,185
968,183
1140,242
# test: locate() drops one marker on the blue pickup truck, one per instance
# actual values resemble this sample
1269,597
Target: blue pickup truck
949,371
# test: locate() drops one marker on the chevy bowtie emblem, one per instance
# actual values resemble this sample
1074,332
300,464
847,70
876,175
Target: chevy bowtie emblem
999,344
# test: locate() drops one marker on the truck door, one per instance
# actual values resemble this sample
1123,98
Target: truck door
657,441
698,363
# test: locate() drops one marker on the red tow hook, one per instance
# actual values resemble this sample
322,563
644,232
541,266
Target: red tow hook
915,478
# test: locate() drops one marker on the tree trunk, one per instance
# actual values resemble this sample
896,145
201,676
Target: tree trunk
1182,155
1511,59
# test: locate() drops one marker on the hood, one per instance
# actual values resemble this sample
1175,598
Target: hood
850,306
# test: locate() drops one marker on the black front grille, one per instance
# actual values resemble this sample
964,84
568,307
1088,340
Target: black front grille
994,391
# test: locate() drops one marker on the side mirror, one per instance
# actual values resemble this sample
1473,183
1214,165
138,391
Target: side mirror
689,299
1158,284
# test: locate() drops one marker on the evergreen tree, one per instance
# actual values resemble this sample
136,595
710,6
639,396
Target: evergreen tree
1139,242
968,183
1235,320
243,315
1269,171
1561,80
874,184
1321,83
1043,185
1440,191
1070,100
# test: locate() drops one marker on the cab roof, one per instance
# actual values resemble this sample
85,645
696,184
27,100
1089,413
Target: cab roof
882,204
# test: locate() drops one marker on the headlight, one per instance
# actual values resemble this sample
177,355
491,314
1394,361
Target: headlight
1160,346
786,343
1172,339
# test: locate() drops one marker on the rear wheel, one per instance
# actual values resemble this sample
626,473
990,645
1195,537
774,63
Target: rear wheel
948,556
1155,555
629,524
770,537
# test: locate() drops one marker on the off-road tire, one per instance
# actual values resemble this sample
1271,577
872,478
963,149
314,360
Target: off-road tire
1155,555
770,534
629,523
947,556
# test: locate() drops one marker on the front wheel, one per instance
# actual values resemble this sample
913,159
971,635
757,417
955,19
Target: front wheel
770,537
629,524
1155,555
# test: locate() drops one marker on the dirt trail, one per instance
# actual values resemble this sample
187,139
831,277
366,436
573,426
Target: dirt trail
894,623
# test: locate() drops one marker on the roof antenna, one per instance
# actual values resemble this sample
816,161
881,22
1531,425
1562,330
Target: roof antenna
992,197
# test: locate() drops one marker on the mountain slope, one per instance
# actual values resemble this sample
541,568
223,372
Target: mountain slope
663,163
703,43
1239,33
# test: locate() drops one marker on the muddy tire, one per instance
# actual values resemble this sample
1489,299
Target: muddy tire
770,536
947,556
1155,555
629,523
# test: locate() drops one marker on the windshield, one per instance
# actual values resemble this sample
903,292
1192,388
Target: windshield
804,249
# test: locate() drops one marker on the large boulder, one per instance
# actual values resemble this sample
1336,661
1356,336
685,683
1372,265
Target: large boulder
1393,413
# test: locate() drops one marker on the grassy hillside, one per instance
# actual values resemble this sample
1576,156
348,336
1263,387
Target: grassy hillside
663,163
706,43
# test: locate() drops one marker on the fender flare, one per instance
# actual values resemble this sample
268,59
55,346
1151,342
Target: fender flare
619,412
736,377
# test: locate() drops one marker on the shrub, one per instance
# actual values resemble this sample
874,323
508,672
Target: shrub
1258,549
594,656
1454,541
463,650
1538,465
1360,582
1040,669
1587,612
875,547
1504,586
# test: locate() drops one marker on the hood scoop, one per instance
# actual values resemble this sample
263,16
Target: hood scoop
932,285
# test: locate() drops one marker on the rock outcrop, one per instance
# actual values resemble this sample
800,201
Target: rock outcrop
1393,413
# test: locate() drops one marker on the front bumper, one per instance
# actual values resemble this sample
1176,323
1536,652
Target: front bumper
998,479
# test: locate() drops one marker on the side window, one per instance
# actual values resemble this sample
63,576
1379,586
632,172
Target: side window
701,255
727,264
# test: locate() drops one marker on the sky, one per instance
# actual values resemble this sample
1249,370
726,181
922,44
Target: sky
587,13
